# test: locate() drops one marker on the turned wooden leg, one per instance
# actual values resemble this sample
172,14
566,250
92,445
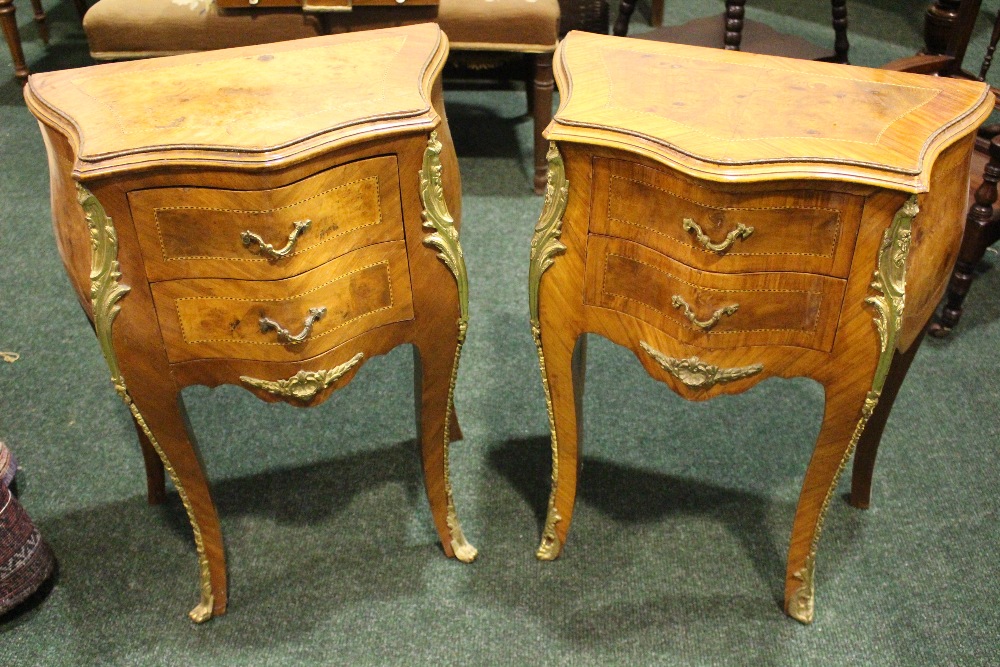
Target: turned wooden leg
980,232
656,14
562,361
156,490
734,24
625,9
939,22
845,402
8,22
435,363
544,84
529,84
840,43
43,27
867,450
161,415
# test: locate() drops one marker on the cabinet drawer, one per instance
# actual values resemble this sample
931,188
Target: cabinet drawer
214,318
712,310
206,232
811,231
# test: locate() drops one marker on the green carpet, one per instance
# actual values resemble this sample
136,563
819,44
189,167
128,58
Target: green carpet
677,551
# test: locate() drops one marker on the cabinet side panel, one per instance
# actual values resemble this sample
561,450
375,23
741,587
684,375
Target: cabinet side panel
68,222
936,238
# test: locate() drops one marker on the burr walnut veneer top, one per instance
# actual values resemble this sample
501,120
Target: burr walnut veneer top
733,116
247,106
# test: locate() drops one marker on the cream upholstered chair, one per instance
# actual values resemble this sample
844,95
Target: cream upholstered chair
120,29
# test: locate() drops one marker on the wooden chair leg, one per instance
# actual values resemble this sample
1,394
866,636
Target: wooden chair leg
625,10
840,44
980,232
864,456
43,27
8,22
656,15
544,84
734,24
939,22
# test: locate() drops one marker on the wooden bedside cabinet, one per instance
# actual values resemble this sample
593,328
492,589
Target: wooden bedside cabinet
730,218
270,217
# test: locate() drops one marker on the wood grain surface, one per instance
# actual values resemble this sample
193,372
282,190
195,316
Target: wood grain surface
283,105
672,154
726,115
250,152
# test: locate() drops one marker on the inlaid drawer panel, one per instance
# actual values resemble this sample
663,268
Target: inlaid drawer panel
210,233
215,318
782,230
712,310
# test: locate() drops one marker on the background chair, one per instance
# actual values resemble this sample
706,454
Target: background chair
732,31
8,22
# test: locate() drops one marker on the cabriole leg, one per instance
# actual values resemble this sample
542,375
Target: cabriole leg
844,417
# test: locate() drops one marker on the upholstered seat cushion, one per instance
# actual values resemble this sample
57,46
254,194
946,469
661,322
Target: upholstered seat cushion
129,29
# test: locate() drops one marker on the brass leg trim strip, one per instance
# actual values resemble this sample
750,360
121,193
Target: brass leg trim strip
105,293
545,245
444,239
889,281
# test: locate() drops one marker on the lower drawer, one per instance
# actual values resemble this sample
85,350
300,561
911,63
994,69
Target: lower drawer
216,318
712,310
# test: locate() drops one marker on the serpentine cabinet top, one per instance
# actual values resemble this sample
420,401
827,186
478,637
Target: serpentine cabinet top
731,116
249,106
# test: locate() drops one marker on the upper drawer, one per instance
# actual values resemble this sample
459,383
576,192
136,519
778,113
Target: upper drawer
722,229
713,310
212,318
208,233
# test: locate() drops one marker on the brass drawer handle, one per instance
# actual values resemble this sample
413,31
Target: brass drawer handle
255,244
705,325
315,314
697,374
741,232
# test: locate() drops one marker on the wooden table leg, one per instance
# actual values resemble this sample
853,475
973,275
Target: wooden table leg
441,335
8,22
864,457
160,413
435,363
846,401
156,490
561,357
